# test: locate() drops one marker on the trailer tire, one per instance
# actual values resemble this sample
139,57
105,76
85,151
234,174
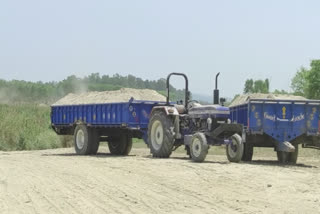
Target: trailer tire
83,139
95,142
247,152
234,150
282,157
288,157
293,156
160,136
199,147
120,145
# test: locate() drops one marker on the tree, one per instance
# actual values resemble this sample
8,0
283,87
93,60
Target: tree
267,84
248,86
313,80
257,86
299,82
307,82
280,92
132,81
94,78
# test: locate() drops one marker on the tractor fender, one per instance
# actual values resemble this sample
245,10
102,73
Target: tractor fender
168,110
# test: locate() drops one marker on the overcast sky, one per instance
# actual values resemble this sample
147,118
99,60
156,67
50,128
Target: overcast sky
49,40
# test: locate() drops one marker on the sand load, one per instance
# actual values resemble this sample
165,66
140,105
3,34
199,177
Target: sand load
122,95
242,99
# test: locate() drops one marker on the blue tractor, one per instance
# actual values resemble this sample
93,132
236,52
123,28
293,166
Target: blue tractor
194,126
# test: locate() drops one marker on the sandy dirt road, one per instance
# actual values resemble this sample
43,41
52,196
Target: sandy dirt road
57,181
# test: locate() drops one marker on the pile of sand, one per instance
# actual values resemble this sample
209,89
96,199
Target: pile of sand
122,95
242,99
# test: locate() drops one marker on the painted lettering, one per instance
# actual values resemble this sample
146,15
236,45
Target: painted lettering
298,118
269,117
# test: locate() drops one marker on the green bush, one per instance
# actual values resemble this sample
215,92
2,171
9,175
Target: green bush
27,127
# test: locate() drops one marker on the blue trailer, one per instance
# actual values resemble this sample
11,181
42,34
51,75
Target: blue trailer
281,124
164,126
121,119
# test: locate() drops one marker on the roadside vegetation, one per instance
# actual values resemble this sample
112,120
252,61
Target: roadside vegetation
27,127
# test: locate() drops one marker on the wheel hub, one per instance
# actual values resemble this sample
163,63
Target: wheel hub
80,139
196,147
157,134
233,148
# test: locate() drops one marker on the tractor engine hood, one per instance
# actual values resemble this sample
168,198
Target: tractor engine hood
212,110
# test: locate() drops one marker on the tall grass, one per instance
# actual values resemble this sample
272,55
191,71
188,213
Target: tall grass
27,127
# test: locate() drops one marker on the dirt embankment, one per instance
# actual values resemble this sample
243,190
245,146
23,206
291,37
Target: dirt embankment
57,181
122,95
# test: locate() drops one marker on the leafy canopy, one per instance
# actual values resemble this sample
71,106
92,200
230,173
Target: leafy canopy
306,82
257,86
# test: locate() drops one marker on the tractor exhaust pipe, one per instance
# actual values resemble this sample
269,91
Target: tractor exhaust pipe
216,92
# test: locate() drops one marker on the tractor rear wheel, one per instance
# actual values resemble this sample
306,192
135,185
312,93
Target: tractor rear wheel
199,147
120,145
160,135
234,150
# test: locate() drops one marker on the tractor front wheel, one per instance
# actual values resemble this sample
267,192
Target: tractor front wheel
199,147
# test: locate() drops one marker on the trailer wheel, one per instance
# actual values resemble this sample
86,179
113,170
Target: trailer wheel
293,156
120,145
160,136
288,157
95,142
199,147
247,152
282,157
234,150
84,139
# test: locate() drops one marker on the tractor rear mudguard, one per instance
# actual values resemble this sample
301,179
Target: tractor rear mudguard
168,110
